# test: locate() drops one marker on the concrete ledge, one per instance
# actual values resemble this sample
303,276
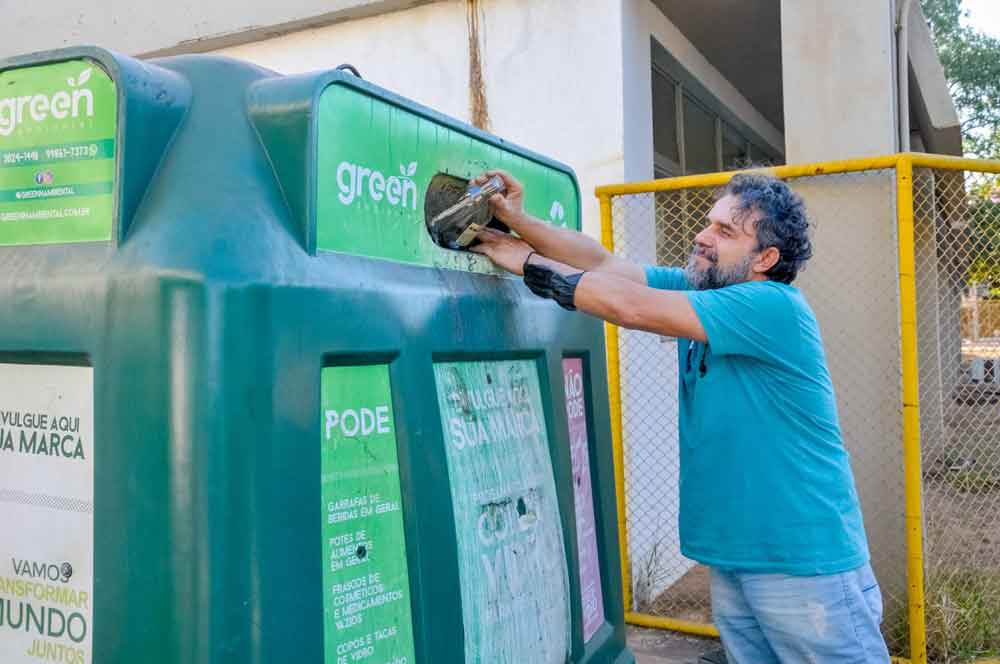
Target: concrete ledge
930,99
149,28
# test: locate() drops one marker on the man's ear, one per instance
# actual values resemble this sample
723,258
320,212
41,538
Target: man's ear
766,260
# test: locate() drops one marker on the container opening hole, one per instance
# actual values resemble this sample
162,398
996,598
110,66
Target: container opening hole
458,228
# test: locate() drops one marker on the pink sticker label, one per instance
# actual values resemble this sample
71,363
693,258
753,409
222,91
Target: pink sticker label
592,597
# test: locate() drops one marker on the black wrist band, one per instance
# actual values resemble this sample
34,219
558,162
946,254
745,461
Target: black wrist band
547,283
524,266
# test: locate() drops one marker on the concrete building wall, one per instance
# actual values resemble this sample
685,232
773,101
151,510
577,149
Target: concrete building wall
838,62
852,285
142,27
642,22
552,71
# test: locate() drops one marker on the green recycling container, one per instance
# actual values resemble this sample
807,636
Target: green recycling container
251,412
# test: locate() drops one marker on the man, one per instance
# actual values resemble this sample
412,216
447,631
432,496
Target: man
768,501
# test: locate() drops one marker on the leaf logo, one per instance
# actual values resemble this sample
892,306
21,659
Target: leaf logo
556,212
408,170
81,79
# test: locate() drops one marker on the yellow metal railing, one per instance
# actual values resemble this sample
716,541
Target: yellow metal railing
911,409
903,166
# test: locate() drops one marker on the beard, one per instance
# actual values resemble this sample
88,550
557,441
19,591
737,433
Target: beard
715,275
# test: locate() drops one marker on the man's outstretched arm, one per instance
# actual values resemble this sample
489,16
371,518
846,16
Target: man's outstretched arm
637,307
606,295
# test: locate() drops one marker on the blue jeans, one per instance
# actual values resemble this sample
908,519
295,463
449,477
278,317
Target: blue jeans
780,619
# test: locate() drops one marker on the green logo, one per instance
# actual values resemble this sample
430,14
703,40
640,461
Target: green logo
74,101
356,182
376,161
58,131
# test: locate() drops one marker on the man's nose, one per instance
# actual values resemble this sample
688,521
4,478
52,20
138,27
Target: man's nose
702,238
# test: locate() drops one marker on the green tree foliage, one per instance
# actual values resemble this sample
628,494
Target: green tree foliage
971,61
984,227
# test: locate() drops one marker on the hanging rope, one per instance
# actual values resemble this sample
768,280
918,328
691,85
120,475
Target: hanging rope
478,108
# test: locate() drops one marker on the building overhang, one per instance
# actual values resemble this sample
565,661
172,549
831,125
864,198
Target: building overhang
742,40
932,110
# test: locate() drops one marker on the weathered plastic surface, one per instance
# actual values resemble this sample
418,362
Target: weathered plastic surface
222,347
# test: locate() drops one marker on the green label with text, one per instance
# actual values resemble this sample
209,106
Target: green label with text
376,162
366,588
58,125
511,559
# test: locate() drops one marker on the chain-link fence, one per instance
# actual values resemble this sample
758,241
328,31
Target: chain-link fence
957,238
853,283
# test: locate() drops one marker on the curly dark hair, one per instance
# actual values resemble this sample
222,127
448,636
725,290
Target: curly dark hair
783,223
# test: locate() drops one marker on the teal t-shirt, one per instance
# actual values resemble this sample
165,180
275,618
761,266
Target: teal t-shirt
765,483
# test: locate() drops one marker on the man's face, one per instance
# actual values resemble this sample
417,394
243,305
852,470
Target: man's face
725,250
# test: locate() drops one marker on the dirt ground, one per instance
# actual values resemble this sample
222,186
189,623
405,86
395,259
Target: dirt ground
687,599
656,646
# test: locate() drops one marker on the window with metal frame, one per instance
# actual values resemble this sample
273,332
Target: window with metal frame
693,132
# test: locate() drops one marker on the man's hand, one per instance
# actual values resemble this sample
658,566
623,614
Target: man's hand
559,244
507,207
505,250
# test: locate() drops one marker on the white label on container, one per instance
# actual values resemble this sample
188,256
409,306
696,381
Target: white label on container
46,513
